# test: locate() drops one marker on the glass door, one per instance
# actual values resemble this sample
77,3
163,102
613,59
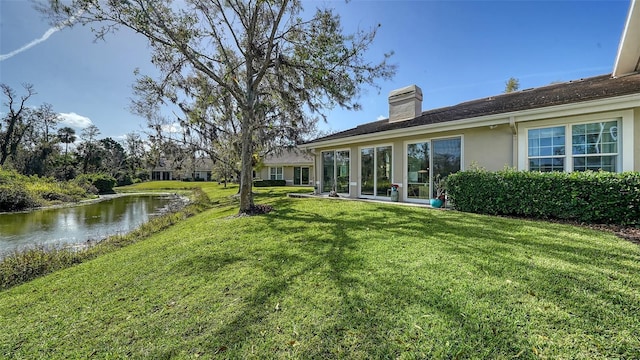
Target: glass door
376,171
342,172
418,171
446,159
328,174
305,176
366,172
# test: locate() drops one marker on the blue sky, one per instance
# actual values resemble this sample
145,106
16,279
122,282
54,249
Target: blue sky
454,50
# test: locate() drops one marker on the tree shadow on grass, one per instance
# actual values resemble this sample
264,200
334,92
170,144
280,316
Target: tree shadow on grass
376,311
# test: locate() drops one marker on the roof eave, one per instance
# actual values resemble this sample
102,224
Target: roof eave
599,105
628,57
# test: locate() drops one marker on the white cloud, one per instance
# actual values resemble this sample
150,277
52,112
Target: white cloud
75,121
43,38
381,117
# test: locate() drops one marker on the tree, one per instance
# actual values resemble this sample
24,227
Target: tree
511,85
89,150
44,121
66,135
277,66
16,122
114,159
135,153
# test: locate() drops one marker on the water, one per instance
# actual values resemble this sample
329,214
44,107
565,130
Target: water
78,224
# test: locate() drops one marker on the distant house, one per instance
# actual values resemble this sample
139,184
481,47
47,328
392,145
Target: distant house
198,169
586,124
292,165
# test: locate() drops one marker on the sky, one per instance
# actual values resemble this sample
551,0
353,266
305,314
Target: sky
455,51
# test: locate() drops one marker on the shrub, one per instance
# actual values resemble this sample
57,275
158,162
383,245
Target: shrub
124,179
590,197
16,198
103,183
265,183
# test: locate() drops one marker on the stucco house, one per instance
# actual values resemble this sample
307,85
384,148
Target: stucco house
586,124
294,166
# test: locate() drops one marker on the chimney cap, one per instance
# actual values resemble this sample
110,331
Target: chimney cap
407,90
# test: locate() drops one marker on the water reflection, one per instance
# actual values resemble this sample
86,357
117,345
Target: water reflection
79,223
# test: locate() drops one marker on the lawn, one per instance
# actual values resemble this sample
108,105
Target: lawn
324,278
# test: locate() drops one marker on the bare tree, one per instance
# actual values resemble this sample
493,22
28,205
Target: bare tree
16,121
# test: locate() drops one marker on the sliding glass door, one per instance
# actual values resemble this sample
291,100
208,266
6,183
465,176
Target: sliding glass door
335,171
376,171
300,175
426,162
418,171
447,154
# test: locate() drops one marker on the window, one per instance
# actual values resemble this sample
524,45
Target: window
594,146
276,173
546,149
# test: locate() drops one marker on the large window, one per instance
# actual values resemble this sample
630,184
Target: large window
376,171
276,173
335,171
594,146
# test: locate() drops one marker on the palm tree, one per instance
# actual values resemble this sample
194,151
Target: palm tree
66,135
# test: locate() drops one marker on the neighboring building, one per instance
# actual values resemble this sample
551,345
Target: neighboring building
587,124
292,165
198,169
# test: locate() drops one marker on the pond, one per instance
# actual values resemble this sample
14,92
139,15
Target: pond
117,214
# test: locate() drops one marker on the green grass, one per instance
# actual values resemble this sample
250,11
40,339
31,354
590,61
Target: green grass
321,278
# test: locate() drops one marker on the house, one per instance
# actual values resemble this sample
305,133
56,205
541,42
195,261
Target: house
198,169
292,165
586,124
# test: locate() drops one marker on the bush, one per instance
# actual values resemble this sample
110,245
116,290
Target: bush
590,197
265,183
103,183
124,179
16,198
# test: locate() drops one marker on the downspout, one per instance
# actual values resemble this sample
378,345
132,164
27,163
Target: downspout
514,142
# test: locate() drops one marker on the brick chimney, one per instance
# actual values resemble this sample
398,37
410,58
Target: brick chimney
405,103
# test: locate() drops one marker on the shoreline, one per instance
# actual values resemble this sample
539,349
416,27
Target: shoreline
99,198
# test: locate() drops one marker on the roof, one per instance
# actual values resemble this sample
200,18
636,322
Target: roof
288,157
594,88
628,58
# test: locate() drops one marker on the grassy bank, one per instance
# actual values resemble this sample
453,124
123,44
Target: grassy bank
320,278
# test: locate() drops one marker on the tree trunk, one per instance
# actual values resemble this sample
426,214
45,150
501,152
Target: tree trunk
246,181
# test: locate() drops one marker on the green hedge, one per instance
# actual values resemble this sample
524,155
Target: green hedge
590,197
264,183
